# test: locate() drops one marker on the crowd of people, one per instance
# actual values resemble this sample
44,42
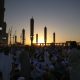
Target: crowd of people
49,64
35,63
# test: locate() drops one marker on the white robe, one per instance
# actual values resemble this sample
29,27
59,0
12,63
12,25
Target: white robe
75,64
5,66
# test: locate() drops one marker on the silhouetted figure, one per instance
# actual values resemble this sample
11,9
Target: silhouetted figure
25,64
75,64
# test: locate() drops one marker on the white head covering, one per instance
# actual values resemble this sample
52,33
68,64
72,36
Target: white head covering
21,78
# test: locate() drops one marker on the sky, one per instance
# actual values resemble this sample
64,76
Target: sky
59,16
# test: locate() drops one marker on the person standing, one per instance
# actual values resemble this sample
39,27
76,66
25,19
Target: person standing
25,64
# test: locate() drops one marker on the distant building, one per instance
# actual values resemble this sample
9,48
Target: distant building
31,30
71,44
3,34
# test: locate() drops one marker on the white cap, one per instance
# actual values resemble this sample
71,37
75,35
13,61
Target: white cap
21,78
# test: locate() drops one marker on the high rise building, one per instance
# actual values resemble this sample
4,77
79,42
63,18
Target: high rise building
32,30
45,35
3,34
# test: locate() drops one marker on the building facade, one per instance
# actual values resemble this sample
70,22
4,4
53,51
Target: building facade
3,34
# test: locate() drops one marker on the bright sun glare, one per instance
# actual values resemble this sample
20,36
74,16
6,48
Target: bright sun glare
40,41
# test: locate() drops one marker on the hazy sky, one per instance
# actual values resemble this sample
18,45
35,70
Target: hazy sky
59,16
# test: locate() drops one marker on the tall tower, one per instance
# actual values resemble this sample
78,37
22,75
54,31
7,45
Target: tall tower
31,30
54,37
45,35
23,36
15,39
3,34
36,38
2,10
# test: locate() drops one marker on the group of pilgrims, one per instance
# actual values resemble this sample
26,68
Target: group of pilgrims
34,63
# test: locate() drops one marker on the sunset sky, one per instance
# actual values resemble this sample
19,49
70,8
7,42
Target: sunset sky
59,16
